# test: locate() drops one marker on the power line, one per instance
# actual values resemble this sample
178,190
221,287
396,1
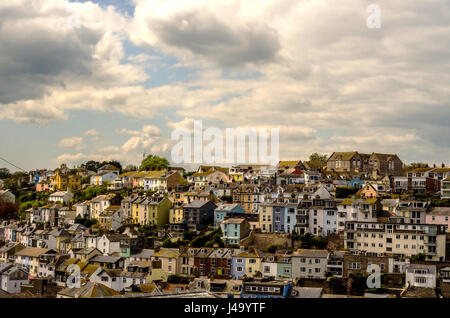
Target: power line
13,164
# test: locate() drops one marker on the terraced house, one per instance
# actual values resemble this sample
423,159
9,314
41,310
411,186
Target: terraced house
62,181
396,239
161,181
153,210
358,162
246,263
102,202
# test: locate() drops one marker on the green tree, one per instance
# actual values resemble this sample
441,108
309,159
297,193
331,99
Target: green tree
8,210
188,174
227,198
418,257
415,165
316,157
4,173
154,162
91,165
114,163
86,222
345,192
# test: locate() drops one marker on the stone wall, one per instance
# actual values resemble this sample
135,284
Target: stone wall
265,240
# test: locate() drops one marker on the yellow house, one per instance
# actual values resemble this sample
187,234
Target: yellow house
169,260
176,214
61,181
135,209
252,262
152,210
30,258
247,197
265,217
368,191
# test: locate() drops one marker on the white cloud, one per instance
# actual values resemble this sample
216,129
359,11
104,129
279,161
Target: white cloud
312,68
91,132
111,149
74,142
46,64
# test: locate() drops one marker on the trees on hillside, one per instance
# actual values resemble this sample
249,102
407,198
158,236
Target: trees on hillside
318,158
92,165
8,210
154,162
4,173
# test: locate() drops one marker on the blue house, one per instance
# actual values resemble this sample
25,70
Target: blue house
226,210
238,267
290,218
234,230
357,183
279,212
329,221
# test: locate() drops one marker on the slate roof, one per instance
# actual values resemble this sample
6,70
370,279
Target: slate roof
196,204
90,290
306,292
312,253
104,259
444,211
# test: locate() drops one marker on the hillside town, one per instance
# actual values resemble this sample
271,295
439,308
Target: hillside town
318,228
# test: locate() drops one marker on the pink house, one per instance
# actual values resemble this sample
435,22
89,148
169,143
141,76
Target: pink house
138,179
439,215
43,186
128,179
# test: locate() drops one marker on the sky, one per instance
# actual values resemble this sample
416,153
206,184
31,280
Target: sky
111,79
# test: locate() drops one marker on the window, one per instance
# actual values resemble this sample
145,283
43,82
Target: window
421,280
354,265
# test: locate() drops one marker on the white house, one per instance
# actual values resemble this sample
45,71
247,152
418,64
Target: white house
439,215
108,277
7,196
312,177
61,196
424,276
116,184
445,188
212,176
102,177
108,244
82,209
12,278
269,266
120,280
99,204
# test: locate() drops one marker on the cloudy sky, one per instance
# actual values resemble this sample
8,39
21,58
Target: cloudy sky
110,79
